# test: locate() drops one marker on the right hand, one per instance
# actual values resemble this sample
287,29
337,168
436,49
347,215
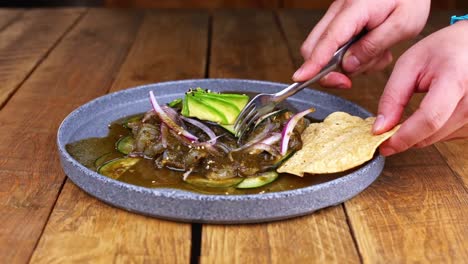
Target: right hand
387,21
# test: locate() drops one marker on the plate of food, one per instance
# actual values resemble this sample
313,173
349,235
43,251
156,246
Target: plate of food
168,150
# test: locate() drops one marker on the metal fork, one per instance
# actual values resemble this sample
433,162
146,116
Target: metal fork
265,103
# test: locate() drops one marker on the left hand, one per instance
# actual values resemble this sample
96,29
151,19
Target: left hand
437,65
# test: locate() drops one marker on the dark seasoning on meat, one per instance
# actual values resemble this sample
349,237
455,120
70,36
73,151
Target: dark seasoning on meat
163,158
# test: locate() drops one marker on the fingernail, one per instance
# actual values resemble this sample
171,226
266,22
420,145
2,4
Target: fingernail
378,124
387,151
351,63
298,73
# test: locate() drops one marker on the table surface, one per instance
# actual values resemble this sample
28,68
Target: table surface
54,60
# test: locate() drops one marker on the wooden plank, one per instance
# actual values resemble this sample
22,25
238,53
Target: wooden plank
412,214
108,234
323,4
161,53
7,16
417,210
323,237
249,44
30,172
25,42
193,3
456,155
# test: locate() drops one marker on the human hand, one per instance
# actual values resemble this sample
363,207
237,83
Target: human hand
388,22
437,65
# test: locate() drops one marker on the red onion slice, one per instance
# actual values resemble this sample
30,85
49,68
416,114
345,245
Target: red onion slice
289,127
168,121
275,137
172,114
259,147
186,174
203,127
164,134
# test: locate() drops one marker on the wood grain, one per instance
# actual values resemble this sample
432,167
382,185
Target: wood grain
323,4
417,210
7,16
249,44
456,155
323,237
30,172
26,40
193,3
412,214
108,234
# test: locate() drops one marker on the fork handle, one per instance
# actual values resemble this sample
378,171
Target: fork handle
333,64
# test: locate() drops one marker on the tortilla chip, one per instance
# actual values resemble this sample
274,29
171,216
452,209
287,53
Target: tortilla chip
339,143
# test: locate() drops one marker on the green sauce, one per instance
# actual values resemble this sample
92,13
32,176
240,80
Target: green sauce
146,174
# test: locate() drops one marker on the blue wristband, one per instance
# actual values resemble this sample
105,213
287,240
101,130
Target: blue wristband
455,19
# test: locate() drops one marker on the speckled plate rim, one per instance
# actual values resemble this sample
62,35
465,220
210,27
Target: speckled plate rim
67,160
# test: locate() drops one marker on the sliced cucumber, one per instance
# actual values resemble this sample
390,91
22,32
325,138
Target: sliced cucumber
115,168
283,159
260,180
205,182
132,119
125,144
106,157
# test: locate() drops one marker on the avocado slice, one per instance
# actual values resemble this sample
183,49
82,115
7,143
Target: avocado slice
239,100
194,107
236,99
229,110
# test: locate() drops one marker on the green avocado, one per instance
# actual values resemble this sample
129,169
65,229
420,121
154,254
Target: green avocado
227,109
194,107
229,128
239,100
215,107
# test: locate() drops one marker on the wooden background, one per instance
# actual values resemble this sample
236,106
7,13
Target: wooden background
54,60
273,4
314,4
311,4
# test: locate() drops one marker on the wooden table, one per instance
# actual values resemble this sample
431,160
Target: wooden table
52,61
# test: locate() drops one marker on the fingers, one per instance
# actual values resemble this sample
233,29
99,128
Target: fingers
341,81
317,31
434,112
461,133
398,91
449,129
383,62
334,36
375,42
376,64
336,80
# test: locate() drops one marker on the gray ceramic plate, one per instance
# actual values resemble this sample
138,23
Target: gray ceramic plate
91,120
